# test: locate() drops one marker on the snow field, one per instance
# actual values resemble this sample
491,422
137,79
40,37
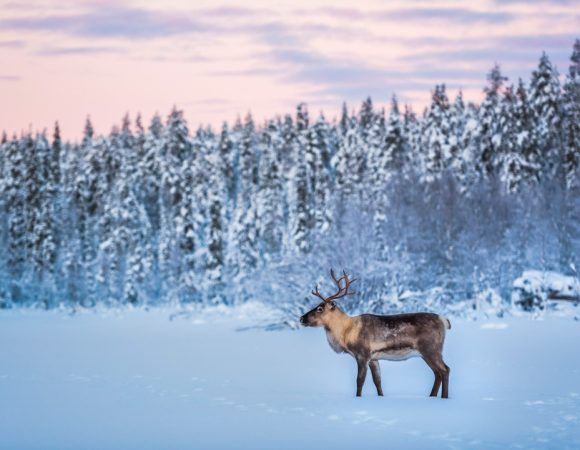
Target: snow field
138,380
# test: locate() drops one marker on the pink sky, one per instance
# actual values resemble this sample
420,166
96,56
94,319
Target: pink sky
64,60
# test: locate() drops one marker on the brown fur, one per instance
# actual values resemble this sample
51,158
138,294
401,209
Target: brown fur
370,338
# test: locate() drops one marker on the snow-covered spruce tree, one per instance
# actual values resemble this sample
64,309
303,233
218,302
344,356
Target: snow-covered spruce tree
466,165
149,171
269,197
390,161
568,228
396,146
4,297
412,132
519,157
58,193
129,243
302,118
299,205
31,185
39,215
125,248
509,160
43,233
314,141
97,168
286,154
300,195
349,161
545,100
139,140
457,124
436,136
344,123
243,249
367,117
55,160
190,218
217,163
136,156
227,164
319,141
5,300
70,264
307,148
376,144
14,198
376,154
248,175
173,235
488,132
107,277
571,110
307,141
3,146
128,143
139,283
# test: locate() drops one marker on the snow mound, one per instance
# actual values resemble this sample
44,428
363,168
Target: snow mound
534,288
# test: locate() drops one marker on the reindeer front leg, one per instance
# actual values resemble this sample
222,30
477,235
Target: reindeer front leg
362,374
376,373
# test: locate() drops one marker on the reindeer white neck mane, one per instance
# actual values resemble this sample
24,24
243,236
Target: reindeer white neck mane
334,342
338,331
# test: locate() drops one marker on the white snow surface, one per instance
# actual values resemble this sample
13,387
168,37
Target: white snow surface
137,380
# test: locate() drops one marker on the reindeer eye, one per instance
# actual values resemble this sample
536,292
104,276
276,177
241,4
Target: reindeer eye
320,309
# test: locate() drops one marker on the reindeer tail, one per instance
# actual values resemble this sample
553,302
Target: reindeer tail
446,322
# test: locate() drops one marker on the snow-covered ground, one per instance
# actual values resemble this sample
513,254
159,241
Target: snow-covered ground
136,380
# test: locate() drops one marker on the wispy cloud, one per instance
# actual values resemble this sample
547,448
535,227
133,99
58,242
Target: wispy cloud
9,78
233,12
292,60
119,20
543,41
66,51
509,50
450,14
14,43
531,2
462,15
111,22
176,59
232,56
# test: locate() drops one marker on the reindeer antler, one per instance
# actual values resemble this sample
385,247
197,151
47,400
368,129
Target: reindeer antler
342,291
318,294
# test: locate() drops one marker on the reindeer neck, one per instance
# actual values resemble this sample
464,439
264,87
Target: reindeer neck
338,330
339,322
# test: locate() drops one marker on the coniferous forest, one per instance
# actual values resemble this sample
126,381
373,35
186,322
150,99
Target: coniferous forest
427,210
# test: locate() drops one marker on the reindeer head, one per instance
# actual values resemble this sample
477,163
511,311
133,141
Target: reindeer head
325,311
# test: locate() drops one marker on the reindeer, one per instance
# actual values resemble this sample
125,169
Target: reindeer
369,338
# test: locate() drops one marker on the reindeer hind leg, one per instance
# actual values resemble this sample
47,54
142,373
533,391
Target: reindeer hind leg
436,372
446,371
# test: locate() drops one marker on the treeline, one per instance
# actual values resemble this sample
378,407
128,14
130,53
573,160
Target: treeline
455,201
